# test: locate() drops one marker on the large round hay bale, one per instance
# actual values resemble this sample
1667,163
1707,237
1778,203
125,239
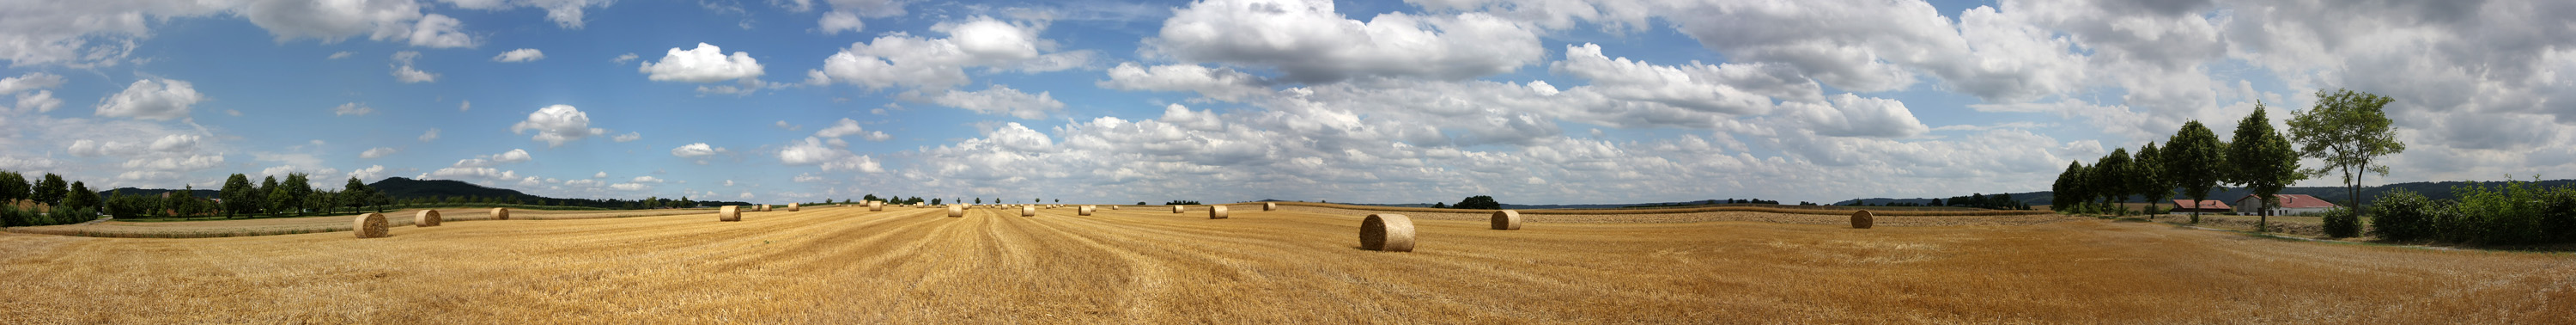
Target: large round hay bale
792,207
1507,220
1861,219
1216,212
729,213
371,225
1269,206
426,218
955,211
1176,209
876,206
500,213
1387,232
764,208
1028,211
1085,210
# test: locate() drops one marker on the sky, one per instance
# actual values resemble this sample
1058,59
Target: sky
1530,101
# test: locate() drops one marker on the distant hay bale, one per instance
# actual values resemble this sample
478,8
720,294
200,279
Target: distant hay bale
500,213
1176,209
426,218
1387,232
1216,212
876,206
371,225
729,213
1861,219
1028,211
955,211
792,207
1507,220
1085,210
764,208
1113,207
1269,206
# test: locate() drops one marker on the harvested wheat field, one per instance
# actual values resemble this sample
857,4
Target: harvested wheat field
1296,265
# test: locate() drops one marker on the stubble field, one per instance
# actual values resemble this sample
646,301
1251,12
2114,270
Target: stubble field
1299,265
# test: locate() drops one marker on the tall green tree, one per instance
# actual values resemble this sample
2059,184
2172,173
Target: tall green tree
2109,180
2064,188
2261,160
2147,176
2348,130
237,195
357,194
263,195
13,186
81,197
51,190
2191,155
299,192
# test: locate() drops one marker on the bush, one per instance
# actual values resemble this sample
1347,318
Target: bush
2558,215
2404,215
2504,215
2342,223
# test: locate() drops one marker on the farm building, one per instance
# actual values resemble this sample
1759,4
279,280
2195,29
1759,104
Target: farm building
2205,206
2291,204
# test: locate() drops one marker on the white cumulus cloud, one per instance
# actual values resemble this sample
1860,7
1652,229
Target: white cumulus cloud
557,124
520,55
707,63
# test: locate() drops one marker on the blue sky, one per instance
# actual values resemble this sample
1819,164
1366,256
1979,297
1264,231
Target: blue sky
1532,101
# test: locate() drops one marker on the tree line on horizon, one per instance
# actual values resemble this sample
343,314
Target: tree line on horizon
2347,130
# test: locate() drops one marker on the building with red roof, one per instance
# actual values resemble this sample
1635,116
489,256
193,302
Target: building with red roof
2291,204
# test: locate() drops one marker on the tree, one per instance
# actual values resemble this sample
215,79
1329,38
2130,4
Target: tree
51,190
279,201
2261,160
237,195
81,197
979,200
13,186
1478,202
1439,205
2348,130
2189,155
357,194
2066,187
936,202
1937,202
2109,180
2146,176
299,192
267,187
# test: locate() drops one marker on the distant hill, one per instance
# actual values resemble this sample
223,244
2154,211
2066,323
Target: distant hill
405,188
2337,194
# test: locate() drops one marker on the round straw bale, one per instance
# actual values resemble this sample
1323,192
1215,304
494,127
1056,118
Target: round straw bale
426,218
956,211
876,206
1113,207
1176,209
1216,212
500,213
1085,210
1028,211
1269,206
370,225
764,208
792,207
729,213
1507,220
1386,232
1861,219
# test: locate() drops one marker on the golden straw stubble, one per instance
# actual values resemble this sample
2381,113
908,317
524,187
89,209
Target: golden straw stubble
729,213
426,218
1386,232
1507,220
1861,219
1216,212
371,225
